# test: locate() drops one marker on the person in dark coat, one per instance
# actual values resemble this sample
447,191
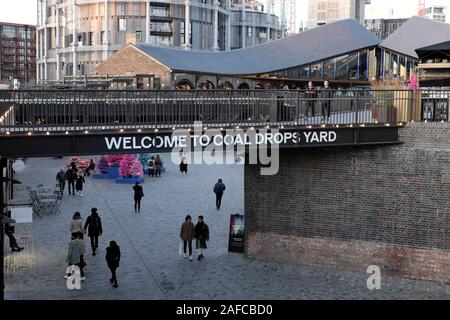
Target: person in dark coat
138,194
151,167
94,229
201,236
219,188
113,259
326,95
187,234
79,184
90,168
158,166
183,165
310,95
9,231
61,178
71,175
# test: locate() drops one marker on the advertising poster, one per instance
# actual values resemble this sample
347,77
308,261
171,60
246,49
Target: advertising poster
236,236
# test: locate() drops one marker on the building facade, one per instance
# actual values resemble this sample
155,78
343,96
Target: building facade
321,12
75,36
436,13
383,28
314,55
17,53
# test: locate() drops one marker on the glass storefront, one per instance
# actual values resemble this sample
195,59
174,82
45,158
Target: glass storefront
366,64
316,70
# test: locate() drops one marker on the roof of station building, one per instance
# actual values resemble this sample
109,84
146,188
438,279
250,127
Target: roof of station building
417,32
331,40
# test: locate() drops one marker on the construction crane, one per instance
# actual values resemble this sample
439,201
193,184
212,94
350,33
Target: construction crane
422,8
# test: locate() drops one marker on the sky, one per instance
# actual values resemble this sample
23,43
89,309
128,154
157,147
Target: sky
24,11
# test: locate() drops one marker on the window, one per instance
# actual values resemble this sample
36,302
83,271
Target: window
122,24
353,66
316,70
182,32
9,31
292,73
121,9
160,11
249,32
161,41
328,70
341,67
138,36
363,67
160,26
90,39
303,72
102,37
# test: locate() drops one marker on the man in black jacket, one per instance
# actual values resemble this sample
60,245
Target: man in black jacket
326,94
219,188
71,175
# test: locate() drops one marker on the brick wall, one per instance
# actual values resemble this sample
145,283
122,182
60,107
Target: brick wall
354,207
130,61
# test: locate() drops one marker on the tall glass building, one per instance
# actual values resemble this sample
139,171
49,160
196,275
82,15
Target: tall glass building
75,36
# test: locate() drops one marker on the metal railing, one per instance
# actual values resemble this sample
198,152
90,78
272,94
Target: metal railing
77,110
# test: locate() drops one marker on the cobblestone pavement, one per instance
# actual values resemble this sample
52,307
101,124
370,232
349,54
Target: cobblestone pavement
151,267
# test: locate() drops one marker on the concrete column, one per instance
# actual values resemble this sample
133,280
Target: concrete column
228,31
216,26
106,29
38,45
58,44
269,4
45,41
75,39
244,29
148,22
187,19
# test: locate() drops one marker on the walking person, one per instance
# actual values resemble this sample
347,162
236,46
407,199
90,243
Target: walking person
187,233
201,236
61,178
158,166
326,95
76,224
79,184
183,165
219,188
113,259
138,194
71,176
91,167
94,229
75,253
151,167
310,99
9,231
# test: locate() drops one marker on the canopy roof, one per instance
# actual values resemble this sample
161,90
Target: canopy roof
328,41
417,32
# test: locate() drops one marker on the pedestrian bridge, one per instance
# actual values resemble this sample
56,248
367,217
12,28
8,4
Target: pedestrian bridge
48,122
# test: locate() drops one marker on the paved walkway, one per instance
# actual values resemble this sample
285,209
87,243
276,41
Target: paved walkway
151,267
